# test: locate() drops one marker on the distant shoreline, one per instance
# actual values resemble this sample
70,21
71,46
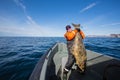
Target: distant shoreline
109,36
101,37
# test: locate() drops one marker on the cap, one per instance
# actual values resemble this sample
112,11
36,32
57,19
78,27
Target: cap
68,27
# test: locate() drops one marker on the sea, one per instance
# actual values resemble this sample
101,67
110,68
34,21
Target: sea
19,55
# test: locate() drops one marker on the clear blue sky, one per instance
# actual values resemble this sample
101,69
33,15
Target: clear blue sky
49,17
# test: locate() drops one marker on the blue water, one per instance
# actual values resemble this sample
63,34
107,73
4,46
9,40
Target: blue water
19,55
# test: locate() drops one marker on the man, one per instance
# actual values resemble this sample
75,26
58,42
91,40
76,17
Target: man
70,35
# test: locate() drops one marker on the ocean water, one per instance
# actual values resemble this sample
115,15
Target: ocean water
19,55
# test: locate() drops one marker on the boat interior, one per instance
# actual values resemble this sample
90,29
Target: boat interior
99,66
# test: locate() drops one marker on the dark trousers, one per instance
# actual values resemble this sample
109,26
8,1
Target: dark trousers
71,58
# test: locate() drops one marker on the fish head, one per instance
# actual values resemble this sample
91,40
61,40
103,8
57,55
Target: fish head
76,26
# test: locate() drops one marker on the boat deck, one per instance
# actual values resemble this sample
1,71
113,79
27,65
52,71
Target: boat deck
95,69
96,63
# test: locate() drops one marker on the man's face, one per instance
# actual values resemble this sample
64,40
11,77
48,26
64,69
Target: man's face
69,30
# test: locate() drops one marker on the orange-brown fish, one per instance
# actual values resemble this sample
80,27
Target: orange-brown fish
78,50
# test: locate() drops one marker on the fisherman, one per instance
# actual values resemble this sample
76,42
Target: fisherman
70,35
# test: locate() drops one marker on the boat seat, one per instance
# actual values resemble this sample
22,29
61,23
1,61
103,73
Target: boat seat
58,58
64,60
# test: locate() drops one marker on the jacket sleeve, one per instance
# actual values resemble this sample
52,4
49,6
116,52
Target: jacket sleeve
82,34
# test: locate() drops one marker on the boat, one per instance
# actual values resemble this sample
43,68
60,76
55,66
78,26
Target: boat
51,64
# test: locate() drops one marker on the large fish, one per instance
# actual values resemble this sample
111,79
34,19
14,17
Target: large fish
78,50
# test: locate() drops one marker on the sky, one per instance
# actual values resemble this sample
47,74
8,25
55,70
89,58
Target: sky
48,18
